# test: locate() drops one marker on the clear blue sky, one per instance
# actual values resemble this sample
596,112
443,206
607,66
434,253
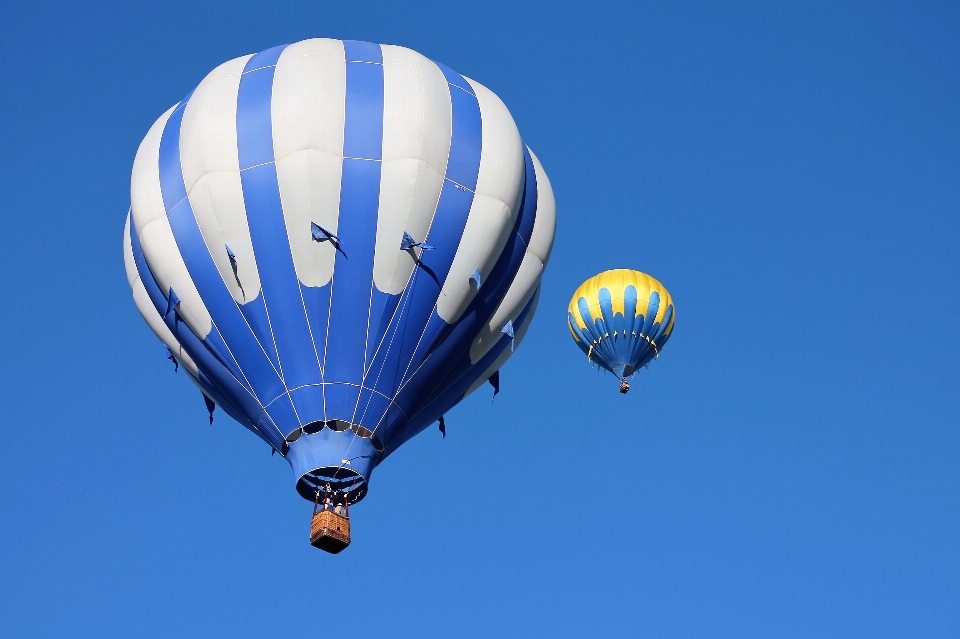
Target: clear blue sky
788,468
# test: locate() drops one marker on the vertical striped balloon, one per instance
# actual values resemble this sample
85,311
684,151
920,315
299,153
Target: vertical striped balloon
330,237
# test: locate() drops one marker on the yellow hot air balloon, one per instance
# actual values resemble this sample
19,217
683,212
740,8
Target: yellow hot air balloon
621,319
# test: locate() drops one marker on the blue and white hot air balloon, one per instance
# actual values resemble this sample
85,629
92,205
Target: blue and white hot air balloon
338,241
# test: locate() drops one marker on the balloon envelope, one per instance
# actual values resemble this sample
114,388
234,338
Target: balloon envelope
330,237
621,319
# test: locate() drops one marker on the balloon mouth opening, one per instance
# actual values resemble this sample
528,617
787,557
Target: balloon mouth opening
624,370
339,479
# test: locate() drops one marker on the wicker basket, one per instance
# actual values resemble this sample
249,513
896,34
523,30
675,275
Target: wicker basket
330,531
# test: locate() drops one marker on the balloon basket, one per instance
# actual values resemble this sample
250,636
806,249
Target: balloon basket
330,531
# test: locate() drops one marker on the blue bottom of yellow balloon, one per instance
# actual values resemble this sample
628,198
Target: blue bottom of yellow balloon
341,458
